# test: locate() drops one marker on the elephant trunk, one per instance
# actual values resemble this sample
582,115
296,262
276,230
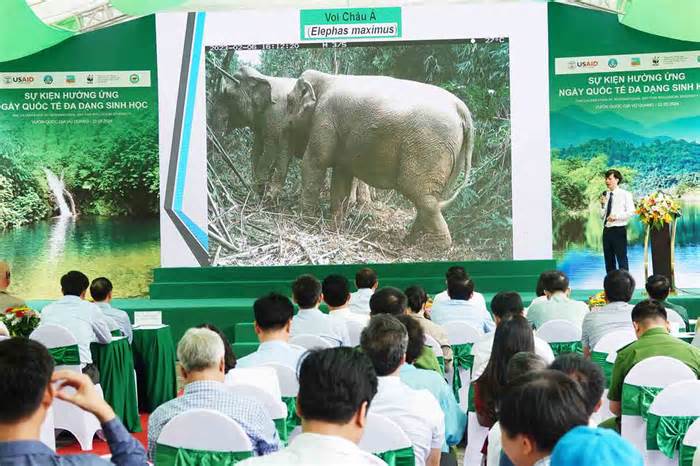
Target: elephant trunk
465,153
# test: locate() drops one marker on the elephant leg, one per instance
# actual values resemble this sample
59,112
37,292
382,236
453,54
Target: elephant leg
255,157
341,188
313,169
429,220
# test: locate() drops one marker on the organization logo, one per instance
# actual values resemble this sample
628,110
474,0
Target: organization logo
90,79
20,79
7,79
134,78
48,79
70,79
612,63
635,61
655,61
586,63
572,64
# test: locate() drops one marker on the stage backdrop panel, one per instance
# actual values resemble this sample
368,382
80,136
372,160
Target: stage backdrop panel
79,162
234,190
620,98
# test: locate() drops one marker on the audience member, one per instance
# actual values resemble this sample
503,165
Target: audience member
417,300
462,306
653,339
200,353
588,375
101,292
540,296
385,341
535,411
229,358
6,299
558,305
27,391
584,446
366,283
336,388
455,418
336,295
81,318
504,306
388,300
461,274
306,291
659,287
273,319
619,287
511,337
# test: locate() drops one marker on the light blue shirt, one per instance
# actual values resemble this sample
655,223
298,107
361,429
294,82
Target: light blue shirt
455,419
276,351
120,317
81,318
315,322
465,311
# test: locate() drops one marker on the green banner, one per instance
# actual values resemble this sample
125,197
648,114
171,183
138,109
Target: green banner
350,23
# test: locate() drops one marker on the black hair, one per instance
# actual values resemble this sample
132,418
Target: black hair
336,290
229,355
522,363
658,287
74,283
416,337
306,290
416,297
26,367
384,340
365,278
618,286
542,405
333,384
456,271
388,300
649,309
506,304
554,280
273,311
539,288
511,337
100,288
460,287
584,371
615,173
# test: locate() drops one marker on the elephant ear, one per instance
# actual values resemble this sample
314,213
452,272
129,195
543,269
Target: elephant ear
261,92
306,94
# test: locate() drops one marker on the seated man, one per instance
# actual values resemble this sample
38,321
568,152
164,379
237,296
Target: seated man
417,412
540,297
461,274
101,292
388,300
336,388
336,295
653,339
200,353
27,391
83,319
306,292
6,299
462,306
417,300
536,410
659,287
366,283
505,305
273,319
619,287
558,304
589,376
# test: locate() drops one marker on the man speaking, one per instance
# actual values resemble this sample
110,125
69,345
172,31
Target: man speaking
616,208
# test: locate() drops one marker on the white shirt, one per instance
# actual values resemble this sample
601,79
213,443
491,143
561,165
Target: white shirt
81,318
119,318
622,207
477,297
275,351
482,353
417,412
309,449
315,322
471,311
344,314
359,300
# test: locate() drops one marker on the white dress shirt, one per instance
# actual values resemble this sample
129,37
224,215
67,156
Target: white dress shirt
622,207
344,314
482,353
309,449
417,412
359,300
314,322
471,311
119,317
81,318
477,297
275,351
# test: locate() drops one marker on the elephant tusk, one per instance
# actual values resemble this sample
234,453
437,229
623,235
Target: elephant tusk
224,72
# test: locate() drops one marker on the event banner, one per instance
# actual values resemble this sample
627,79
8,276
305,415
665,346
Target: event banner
79,161
627,100
354,135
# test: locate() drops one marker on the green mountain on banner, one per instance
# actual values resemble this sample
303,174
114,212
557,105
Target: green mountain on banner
567,131
681,128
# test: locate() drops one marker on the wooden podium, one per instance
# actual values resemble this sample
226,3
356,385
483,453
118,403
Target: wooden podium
662,243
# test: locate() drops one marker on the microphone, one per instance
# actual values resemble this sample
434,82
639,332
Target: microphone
604,193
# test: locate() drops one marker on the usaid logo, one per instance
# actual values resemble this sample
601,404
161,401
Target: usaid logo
21,79
586,63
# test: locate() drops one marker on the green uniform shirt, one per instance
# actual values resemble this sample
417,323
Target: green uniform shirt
680,310
654,342
427,360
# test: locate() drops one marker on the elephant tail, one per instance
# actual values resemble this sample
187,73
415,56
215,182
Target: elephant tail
465,153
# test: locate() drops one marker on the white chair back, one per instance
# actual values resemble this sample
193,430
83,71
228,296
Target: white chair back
613,341
263,378
354,331
692,437
382,434
559,330
274,406
434,345
205,429
696,458
55,336
676,321
308,341
459,332
289,383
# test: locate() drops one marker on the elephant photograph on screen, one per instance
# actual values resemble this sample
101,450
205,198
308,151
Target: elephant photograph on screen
357,154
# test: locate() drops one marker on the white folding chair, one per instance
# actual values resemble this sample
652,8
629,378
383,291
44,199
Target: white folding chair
690,444
67,416
382,434
654,372
274,405
559,331
354,331
679,399
288,381
676,321
308,341
434,345
607,346
263,378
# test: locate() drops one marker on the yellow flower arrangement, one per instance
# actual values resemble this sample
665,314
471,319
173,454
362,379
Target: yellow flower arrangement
658,209
597,300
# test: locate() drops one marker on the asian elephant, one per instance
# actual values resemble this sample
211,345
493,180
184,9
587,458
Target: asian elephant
390,133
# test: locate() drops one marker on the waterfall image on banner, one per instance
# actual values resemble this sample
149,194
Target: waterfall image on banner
381,152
